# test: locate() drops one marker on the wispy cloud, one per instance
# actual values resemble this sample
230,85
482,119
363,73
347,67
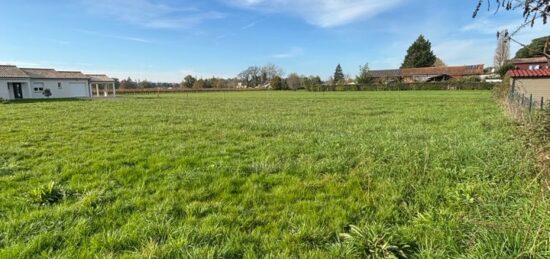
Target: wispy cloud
466,51
117,37
248,26
292,52
152,14
323,13
59,42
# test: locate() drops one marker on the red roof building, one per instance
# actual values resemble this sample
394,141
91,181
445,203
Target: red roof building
534,84
530,63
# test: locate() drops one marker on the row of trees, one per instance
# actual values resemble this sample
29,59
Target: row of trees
255,76
131,84
295,82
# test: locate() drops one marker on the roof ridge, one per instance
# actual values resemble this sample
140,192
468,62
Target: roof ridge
30,68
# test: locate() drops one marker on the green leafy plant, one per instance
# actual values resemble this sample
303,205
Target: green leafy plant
47,195
371,242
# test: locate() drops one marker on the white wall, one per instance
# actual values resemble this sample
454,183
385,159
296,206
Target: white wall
538,87
4,92
7,93
52,84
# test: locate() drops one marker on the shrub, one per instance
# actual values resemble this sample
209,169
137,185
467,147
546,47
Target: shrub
502,90
504,69
47,92
47,195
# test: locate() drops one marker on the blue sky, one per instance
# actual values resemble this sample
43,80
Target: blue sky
163,40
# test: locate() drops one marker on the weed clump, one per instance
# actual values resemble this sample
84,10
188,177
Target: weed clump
371,242
47,195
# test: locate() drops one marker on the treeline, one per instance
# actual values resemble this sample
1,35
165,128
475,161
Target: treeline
189,82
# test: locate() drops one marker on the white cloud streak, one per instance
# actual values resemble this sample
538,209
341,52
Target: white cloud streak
150,14
116,37
322,13
291,53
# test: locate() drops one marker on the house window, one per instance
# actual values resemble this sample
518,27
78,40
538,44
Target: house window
38,87
534,67
59,85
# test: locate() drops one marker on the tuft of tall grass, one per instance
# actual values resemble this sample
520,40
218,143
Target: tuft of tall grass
47,195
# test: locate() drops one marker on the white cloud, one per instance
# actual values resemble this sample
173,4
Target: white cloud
117,37
292,52
466,51
150,14
323,13
248,26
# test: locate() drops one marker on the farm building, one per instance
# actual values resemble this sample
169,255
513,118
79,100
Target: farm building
531,82
530,63
40,83
386,76
426,74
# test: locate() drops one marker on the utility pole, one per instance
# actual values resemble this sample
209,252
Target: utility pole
547,51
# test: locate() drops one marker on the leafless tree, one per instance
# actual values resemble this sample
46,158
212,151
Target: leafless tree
439,62
502,53
251,76
254,75
294,81
270,71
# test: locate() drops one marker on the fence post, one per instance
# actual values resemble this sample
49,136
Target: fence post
530,103
542,103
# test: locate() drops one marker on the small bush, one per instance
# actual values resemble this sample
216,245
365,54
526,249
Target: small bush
502,90
47,195
47,92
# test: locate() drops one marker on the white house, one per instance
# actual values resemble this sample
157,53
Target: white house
38,83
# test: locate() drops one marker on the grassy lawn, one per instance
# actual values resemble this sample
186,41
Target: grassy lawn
231,175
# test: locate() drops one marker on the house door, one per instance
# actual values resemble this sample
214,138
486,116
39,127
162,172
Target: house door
17,90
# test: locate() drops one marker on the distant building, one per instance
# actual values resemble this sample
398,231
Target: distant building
386,76
40,83
531,82
530,63
426,74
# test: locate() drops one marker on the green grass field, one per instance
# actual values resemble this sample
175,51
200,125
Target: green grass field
433,174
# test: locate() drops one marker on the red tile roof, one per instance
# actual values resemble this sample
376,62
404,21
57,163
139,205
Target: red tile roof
529,60
529,73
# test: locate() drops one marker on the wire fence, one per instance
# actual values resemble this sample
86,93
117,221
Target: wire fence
527,102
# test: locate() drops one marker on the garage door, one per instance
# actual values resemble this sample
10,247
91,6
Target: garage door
79,90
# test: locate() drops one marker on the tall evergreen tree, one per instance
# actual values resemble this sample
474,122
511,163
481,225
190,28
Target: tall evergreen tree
338,74
420,54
